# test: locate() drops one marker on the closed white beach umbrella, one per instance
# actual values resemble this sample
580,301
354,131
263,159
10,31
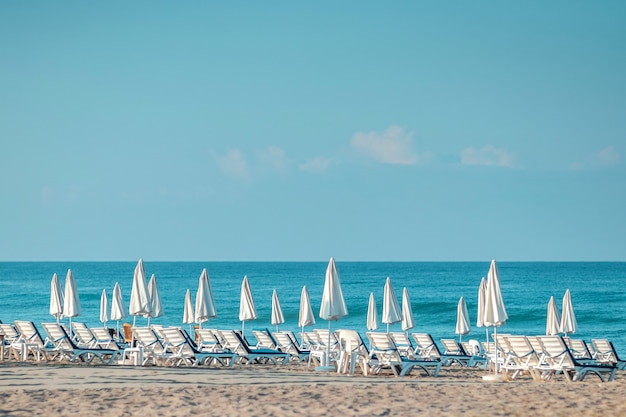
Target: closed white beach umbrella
305,316
407,312
495,312
391,308
156,309
568,319
482,299
71,303
553,319
139,296
118,308
56,298
462,319
205,304
277,312
104,308
333,306
372,314
247,311
188,313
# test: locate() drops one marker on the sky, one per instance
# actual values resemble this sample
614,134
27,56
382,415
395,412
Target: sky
297,131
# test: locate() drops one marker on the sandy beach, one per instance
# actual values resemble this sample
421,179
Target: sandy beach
67,390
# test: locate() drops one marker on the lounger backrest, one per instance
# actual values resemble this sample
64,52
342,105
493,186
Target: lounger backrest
452,347
58,336
176,338
605,350
10,332
103,338
555,349
426,345
149,339
234,342
522,350
579,348
207,339
383,346
84,336
264,339
29,332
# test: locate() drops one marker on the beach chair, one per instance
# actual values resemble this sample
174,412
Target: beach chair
519,358
264,339
152,347
384,354
352,352
234,342
285,343
403,344
605,353
183,351
452,347
579,348
104,339
13,346
34,343
83,337
207,340
427,348
67,348
557,358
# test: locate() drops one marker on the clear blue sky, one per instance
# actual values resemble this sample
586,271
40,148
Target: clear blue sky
280,130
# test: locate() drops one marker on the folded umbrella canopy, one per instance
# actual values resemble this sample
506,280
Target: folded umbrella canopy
56,298
71,305
104,308
372,314
407,312
118,309
277,312
482,299
139,296
156,309
391,308
553,319
333,306
247,311
205,304
568,318
462,319
188,314
305,316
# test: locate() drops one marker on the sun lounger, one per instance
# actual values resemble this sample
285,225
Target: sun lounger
578,347
152,347
519,357
237,344
63,344
384,354
557,358
285,343
605,353
264,339
183,351
104,339
35,344
83,337
207,340
12,342
427,348
403,344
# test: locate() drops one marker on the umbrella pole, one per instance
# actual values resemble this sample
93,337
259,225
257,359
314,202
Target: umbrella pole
117,329
495,341
328,346
277,328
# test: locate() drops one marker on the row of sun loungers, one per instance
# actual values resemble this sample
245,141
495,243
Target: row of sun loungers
540,357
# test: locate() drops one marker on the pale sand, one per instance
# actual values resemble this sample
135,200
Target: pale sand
64,390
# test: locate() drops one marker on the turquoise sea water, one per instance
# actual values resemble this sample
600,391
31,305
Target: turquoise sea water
598,292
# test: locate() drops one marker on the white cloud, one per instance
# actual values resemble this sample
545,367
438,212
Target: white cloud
605,157
316,165
274,158
488,155
393,146
233,163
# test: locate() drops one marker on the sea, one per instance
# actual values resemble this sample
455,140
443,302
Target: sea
598,292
